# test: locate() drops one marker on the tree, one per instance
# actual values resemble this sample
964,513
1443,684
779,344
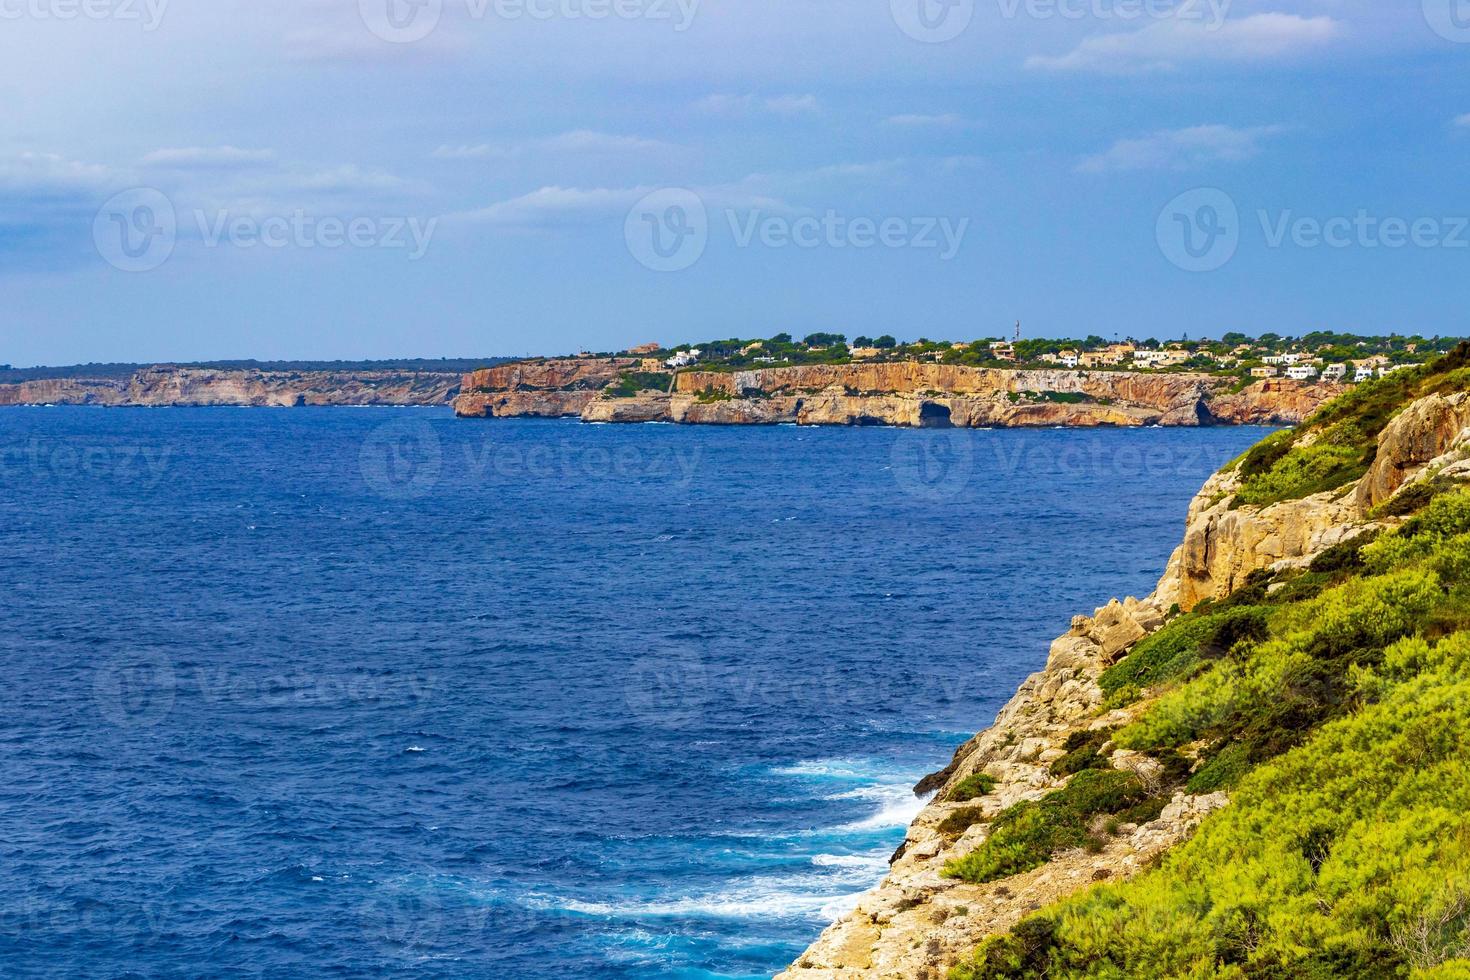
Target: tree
886,342
824,339
862,342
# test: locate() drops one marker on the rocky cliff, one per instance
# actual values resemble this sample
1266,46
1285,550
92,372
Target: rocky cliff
912,394
919,924
168,387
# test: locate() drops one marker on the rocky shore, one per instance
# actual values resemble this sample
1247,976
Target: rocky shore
191,387
920,924
910,394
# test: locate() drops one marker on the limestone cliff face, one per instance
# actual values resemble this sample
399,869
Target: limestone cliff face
918,924
163,386
912,393
1280,402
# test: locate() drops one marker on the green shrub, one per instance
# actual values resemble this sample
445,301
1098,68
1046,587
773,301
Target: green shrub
1026,835
961,820
1082,752
972,787
1179,647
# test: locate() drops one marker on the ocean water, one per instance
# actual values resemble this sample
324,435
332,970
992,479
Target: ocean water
365,693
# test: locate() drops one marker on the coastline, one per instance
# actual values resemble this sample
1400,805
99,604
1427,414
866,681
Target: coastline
920,923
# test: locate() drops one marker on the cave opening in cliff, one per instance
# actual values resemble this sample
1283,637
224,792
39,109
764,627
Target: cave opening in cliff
933,416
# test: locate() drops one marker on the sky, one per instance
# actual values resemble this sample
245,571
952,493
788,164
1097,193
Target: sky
204,179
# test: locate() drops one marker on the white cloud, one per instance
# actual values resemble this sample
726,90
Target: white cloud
50,171
581,141
208,158
1182,149
745,105
948,120
550,206
1166,45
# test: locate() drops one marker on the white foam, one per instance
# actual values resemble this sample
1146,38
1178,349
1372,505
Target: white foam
763,899
864,861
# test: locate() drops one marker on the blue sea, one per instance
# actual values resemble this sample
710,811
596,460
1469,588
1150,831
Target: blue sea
367,693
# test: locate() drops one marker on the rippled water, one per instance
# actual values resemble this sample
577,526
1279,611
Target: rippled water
360,692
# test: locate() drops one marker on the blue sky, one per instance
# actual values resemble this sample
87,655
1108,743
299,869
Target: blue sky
338,178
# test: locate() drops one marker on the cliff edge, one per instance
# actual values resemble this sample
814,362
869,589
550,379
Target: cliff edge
905,393
1281,525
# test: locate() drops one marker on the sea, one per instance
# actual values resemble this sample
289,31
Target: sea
379,692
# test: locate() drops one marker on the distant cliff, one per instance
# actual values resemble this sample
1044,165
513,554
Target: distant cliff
180,387
912,393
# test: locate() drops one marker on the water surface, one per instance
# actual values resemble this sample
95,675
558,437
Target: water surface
357,693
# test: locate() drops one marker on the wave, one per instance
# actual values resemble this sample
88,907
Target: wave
769,898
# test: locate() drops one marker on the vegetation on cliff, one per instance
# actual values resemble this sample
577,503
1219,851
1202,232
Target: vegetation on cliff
1333,702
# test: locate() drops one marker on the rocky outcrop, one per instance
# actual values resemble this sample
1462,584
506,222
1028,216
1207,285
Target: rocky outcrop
589,373
538,404
1279,402
1420,435
171,387
917,923
907,393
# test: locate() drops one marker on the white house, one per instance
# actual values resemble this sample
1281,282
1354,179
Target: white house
683,358
1301,372
1363,372
1334,372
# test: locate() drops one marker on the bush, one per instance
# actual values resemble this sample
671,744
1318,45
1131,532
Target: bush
972,787
1026,835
